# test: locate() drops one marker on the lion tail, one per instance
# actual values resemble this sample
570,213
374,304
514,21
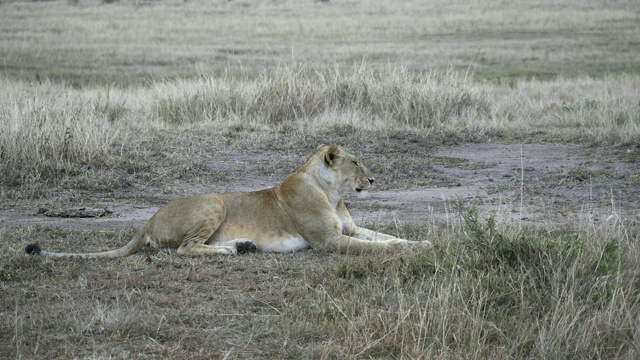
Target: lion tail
133,246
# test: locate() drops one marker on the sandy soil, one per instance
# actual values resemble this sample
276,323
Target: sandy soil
536,184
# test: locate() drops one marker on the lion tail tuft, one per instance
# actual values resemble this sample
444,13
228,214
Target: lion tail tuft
33,249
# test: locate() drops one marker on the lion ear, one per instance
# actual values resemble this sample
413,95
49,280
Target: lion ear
331,155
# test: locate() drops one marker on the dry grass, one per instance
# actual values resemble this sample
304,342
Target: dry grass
105,100
487,290
135,41
50,132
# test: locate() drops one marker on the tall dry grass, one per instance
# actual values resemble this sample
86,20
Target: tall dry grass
393,97
48,131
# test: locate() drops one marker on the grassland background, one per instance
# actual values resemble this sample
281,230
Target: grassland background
134,100
138,41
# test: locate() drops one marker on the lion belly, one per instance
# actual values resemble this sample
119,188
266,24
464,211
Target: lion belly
265,241
283,245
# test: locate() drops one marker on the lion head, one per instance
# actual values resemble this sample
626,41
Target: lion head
344,170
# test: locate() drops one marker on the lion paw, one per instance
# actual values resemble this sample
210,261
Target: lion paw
420,244
402,243
245,246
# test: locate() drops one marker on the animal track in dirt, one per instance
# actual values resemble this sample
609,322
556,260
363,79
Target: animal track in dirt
536,184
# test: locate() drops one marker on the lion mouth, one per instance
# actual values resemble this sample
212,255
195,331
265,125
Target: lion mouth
362,193
361,188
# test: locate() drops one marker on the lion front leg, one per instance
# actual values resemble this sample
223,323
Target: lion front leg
349,244
366,234
374,236
351,229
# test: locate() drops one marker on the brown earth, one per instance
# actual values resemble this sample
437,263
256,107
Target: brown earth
535,184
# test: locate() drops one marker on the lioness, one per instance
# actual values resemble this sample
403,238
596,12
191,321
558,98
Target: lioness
306,210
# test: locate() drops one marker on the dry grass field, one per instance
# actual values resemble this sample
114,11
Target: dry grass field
507,133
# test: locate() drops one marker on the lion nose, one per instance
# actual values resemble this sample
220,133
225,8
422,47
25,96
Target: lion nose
371,180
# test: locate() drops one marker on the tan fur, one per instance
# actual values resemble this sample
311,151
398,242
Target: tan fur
305,210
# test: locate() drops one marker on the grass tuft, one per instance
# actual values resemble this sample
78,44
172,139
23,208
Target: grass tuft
294,94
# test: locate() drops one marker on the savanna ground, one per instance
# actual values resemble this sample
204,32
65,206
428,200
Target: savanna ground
506,133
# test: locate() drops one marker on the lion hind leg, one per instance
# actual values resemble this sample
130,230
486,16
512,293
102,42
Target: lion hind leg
204,249
242,245
232,247
195,237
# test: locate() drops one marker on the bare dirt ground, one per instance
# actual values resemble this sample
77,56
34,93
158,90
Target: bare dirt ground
536,184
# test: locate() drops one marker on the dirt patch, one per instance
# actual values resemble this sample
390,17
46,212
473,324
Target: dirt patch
537,184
